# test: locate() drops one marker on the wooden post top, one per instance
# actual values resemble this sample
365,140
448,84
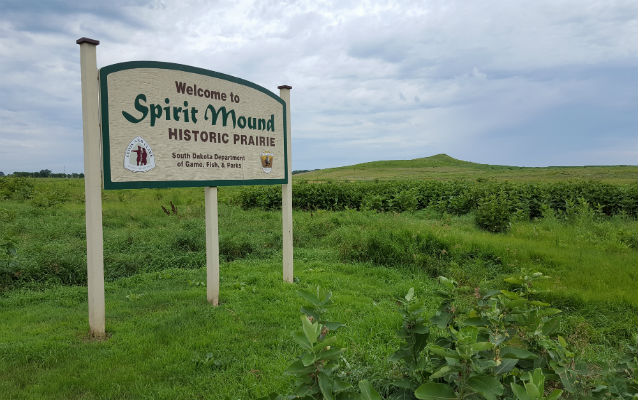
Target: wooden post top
87,40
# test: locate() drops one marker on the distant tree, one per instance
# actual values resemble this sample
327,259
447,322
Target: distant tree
1,173
44,173
22,174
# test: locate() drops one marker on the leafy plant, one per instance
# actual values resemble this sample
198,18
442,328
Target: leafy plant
534,387
8,263
495,199
414,334
316,368
484,352
16,188
620,381
492,213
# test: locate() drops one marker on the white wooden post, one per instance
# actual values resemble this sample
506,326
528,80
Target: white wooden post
92,185
212,246
286,194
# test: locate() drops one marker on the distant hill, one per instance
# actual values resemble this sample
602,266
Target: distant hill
444,167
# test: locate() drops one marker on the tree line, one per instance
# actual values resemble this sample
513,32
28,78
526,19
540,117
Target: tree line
44,173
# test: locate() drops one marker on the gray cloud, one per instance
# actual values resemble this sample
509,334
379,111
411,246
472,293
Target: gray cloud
492,81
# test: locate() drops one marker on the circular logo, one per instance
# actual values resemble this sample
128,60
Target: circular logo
139,156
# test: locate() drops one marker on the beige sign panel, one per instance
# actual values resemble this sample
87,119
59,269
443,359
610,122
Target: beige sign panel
167,125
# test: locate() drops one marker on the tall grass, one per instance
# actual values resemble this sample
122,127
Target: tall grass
167,343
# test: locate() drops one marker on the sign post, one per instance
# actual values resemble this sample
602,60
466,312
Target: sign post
171,125
286,195
92,186
212,246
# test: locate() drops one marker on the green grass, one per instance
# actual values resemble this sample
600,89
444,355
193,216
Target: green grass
165,341
444,167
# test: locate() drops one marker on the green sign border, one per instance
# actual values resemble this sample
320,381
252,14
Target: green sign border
106,156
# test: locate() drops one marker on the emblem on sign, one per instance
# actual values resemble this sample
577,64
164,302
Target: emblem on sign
266,161
139,156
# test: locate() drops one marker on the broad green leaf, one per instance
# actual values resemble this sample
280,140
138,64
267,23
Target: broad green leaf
551,326
448,283
513,280
410,295
565,379
481,365
311,312
325,385
514,304
539,379
305,391
333,326
416,308
339,386
367,391
310,329
520,392
328,341
482,346
330,367
400,355
477,321
491,293
549,311
421,329
556,393
497,338
435,391
403,383
308,359
441,319
441,372
468,334
442,352
515,352
303,342
539,303
310,297
507,364
331,354
297,368
532,390
487,386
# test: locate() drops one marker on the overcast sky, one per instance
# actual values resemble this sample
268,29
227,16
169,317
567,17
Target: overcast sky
529,83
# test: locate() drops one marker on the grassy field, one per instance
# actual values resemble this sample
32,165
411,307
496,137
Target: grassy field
165,341
444,167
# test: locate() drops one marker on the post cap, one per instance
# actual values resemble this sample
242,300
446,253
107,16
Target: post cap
284,87
87,40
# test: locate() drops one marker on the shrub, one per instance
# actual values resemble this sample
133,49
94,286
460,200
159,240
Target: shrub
458,197
493,213
406,200
16,188
484,352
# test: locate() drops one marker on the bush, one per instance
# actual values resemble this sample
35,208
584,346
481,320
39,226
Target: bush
493,213
16,189
459,197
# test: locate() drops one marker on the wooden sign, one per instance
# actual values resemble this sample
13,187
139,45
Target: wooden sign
170,125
